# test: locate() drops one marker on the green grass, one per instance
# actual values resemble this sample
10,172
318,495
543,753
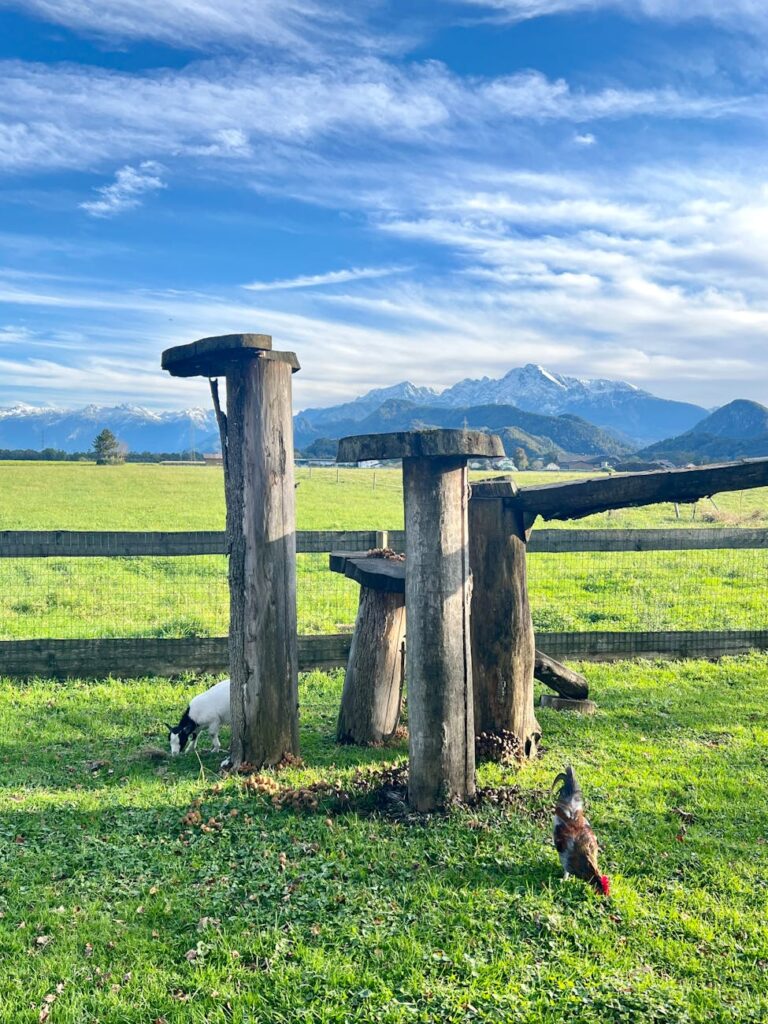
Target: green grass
188,596
353,918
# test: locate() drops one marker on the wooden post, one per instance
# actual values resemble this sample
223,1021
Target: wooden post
437,598
503,645
373,684
261,538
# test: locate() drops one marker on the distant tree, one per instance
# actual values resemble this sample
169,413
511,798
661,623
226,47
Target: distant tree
550,456
521,459
107,449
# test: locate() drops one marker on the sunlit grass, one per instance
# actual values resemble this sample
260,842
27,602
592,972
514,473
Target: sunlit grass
282,916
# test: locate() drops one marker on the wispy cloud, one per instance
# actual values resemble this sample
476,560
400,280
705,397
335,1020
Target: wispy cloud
131,184
745,15
317,280
288,24
63,116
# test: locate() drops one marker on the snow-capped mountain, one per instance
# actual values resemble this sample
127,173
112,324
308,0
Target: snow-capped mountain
634,415
73,430
361,407
616,405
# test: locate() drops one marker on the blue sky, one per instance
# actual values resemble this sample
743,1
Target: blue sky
421,190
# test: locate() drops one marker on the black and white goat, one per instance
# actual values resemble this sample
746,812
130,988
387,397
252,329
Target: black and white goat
208,710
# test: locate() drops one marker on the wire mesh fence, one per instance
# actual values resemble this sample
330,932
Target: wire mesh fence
187,596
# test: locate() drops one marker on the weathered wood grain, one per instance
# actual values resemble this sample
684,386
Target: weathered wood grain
559,677
212,357
575,499
609,646
130,657
373,684
419,444
109,543
502,629
126,543
683,539
437,597
381,574
262,564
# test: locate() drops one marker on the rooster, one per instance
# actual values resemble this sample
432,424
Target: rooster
574,839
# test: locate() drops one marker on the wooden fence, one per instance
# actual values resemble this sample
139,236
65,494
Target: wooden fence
132,656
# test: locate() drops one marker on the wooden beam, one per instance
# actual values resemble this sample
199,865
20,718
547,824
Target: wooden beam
578,498
109,543
609,646
683,539
132,657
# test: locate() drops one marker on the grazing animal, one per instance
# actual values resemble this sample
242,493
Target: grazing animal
208,710
574,839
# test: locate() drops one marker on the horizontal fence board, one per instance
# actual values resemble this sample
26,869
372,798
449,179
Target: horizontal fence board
127,543
607,646
138,656
682,539
108,543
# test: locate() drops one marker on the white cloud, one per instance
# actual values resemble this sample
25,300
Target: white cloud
126,191
586,139
286,24
317,280
744,15
62,116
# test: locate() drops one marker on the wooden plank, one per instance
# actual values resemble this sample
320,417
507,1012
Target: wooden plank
577,498
381,574
420,444
129,543
683,539
129,657
124,543
608,646
136,656
108,543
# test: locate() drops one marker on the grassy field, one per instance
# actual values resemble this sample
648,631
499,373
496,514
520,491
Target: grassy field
177,597
113,910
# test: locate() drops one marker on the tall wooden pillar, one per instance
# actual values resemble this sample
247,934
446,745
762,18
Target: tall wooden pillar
437,601
503,645
257,446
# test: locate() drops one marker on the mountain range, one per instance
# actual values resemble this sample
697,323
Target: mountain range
635,416
142,430
529,406
738,430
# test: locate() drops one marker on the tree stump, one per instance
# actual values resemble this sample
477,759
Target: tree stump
503,645
373,684
437,599
257,446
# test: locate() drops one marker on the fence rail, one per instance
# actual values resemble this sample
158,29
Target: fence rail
169,655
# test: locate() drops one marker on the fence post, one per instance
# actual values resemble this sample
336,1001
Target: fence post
261,535
437,599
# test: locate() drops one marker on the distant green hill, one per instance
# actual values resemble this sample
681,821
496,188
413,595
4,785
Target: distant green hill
535,433
738,430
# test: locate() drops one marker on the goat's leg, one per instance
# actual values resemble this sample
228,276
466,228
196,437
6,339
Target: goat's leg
215,743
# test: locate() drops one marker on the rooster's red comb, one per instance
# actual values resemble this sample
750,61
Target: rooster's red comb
605,885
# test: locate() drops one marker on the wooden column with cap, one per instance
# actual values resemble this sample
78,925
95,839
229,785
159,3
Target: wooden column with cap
373,683
437,601
257,449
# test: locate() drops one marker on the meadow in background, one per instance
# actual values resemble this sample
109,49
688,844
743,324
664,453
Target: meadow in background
168,597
